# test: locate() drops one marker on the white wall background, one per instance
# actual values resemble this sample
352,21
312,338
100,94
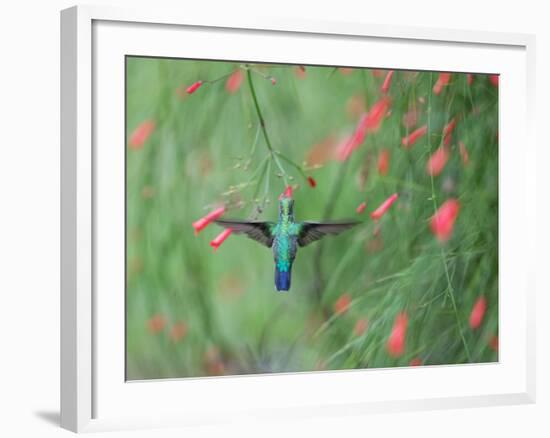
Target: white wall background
29,216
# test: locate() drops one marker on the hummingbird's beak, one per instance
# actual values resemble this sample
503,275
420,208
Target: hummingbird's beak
287,193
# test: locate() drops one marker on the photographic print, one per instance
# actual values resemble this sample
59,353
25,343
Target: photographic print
298,218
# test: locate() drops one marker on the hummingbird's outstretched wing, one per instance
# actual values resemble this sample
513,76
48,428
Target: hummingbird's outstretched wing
259,231
312,231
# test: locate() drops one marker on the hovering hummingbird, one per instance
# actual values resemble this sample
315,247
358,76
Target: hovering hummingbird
285,236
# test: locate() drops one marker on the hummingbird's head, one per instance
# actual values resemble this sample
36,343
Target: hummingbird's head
286,207
286,203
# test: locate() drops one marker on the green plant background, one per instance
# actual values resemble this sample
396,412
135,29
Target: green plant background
233,320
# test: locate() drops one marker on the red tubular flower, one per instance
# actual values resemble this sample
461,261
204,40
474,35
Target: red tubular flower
494,80
470,78
358,136
342,304
447,131
464,153
387,82
380,211
322,151
234,81
396,341
410,118
369,122
346,71
220,238
345,148
441,82
361,207
156,324
178,331
213,361
449,128
411,139
493,342
141,134
384,161
373,119
437,161
443,221
349,144
416,362
194,87
300,72
273,80
360,327
203,222
478,312
312,183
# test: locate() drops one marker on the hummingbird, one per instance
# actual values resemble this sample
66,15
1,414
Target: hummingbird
285,236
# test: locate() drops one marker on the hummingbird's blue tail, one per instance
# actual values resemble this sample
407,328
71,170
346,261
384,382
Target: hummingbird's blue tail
282,280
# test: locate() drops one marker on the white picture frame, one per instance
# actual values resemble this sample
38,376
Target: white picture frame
93,395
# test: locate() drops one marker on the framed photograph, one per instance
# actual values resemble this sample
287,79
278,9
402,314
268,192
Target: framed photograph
276,218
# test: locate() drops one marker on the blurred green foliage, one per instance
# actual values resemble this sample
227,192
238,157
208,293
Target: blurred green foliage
193,312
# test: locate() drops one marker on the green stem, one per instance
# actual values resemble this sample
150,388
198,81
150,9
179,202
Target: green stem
262,126
256,138
292,163
255,173
259,73
319,284
258,110
265,166
221,78
450,289
267,182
